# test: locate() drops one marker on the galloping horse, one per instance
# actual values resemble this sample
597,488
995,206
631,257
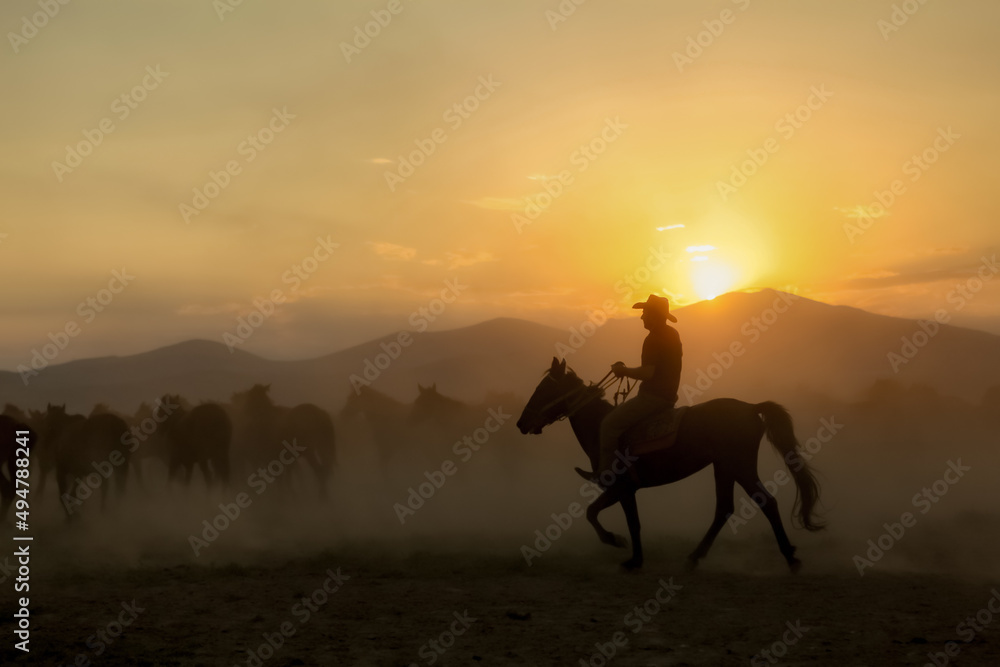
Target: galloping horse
81,443
452,419
724,433
386,417
261,428
198,436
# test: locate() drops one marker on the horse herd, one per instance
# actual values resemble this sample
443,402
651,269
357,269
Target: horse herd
104,448
220,440
252,431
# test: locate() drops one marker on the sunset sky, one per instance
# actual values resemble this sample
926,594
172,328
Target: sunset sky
612,109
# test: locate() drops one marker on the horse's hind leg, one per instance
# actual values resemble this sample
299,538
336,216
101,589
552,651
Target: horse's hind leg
767,503
605,500
723,510
632,517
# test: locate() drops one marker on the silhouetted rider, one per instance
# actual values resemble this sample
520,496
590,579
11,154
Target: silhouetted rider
659,375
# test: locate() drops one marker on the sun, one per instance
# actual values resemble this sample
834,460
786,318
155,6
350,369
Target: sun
711,278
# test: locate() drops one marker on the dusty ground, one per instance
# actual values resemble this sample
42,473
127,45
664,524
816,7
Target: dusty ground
392,604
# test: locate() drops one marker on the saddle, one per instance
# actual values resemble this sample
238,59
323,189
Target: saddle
654,433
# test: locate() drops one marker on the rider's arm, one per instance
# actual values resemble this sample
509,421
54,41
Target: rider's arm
638,372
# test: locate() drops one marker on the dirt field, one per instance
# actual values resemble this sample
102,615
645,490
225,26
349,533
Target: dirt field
490,608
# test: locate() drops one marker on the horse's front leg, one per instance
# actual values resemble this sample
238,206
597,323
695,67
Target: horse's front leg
605,500
632,517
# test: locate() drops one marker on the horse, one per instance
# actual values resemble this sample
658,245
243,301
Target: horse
197,436
46,449
387,419
262,427
83,447
146,439
9,429
724,433
453,420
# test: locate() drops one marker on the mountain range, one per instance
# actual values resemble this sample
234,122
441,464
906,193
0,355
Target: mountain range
754,346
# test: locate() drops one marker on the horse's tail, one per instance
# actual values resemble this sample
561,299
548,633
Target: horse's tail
778,425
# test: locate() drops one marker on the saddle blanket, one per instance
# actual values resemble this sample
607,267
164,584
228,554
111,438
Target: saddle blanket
654,433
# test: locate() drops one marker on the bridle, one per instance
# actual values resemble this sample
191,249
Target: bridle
583,393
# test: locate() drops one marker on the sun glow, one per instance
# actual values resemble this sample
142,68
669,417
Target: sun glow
712,278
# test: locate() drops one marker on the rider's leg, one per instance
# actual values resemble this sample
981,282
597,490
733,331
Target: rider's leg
620,420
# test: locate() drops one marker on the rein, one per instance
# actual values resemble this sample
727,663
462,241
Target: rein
600,386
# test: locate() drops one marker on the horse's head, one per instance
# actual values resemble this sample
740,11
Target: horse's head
430,403
354,405
101,409
551,399
15,413
55,414
169,409
253,400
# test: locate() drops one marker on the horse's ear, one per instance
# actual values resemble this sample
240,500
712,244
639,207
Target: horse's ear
421,388
555,365
562,366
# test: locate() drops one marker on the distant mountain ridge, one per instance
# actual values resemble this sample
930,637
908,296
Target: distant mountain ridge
759,345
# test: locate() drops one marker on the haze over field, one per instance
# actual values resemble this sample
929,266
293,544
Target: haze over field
835,105
287,287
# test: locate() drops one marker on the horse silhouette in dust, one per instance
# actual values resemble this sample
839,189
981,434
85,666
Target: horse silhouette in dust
262,428
724,433
9,454
455,420
198,436
79,444
387,419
